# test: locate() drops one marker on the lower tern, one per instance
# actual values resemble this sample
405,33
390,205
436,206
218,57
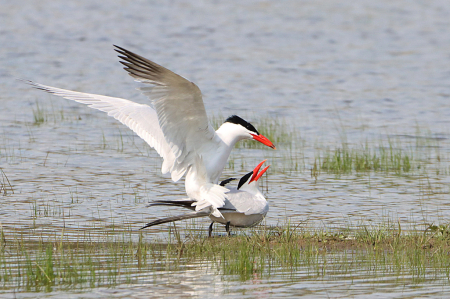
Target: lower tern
245,205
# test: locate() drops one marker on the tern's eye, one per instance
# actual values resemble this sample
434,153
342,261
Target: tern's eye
250,127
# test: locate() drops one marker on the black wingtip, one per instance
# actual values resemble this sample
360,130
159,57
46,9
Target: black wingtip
29,82
123,51
119,48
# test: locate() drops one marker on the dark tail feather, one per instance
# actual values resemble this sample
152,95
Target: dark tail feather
178,203
176,218
224,182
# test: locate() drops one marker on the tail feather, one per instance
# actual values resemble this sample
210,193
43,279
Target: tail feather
178,203
176,218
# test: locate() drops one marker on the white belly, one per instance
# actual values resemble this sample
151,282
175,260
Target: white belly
239,219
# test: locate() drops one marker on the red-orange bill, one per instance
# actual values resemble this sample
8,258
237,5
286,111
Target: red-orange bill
264,140
255,171
261,173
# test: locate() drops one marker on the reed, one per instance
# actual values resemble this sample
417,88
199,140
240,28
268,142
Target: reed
118,257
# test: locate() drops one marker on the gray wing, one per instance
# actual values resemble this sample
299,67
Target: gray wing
244,202
179,105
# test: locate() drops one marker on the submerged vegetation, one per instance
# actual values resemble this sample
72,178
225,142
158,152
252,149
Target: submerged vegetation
60,262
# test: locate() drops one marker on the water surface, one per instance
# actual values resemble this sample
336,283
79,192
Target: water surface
336,72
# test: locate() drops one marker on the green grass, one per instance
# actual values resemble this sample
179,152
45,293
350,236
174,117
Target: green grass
389,156
39,115
396,155
50,114
293,248
364,159
59,262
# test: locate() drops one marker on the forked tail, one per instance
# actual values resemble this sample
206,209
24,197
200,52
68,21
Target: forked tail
176,218
185,203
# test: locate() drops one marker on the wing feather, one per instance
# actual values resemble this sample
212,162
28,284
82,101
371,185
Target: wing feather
245,202
179,105
208,196
140,118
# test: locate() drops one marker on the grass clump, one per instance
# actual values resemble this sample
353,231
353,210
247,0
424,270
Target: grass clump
320,253
385,249
398,156
43,114
385,159
46,265
39,115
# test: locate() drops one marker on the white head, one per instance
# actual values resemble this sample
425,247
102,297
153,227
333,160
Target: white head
235,128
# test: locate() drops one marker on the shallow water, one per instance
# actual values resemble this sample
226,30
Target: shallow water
204,279
336,72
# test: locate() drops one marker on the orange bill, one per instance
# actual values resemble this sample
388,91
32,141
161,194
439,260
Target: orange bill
257,175
264,140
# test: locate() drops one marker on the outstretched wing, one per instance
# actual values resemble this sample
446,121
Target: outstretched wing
179,105
142,119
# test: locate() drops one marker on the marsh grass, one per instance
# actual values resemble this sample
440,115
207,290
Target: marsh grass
5,185
397,154
391,155
383,248
39,115
10,150
123,257
44,114
382,158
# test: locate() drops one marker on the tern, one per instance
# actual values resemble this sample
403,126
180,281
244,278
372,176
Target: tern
175,125
245,205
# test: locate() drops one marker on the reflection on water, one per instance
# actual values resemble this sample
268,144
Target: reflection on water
338,73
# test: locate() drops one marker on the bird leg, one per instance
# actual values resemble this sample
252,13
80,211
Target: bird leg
210,229
227,228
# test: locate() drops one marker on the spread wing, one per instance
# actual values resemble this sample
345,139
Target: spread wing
177,127
142,119
179,106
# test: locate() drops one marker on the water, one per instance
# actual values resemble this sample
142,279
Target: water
335,71
204,279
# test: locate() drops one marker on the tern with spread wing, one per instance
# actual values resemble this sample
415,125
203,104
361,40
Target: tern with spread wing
245,205
175,125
